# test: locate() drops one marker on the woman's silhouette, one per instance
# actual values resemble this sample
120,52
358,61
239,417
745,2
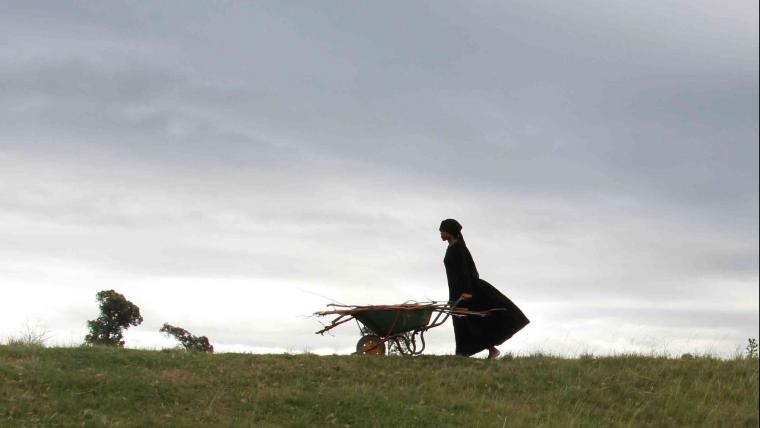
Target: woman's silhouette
475,333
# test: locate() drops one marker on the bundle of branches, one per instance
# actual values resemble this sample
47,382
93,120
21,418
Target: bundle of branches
346,313
406,306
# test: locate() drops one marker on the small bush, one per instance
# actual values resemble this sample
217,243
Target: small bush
187,340
30,336
751,348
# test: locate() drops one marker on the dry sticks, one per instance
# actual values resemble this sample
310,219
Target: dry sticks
346,313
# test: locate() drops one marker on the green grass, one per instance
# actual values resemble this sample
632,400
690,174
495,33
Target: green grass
118,387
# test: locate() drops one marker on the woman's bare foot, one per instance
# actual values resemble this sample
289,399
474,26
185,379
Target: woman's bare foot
493,353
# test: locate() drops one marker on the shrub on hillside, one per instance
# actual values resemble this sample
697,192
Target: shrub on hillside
188,341
751,348
116,314
30,336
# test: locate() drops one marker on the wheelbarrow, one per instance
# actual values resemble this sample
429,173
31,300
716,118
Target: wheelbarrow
396,329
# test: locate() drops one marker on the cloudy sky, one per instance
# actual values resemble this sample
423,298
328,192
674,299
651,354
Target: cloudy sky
232,167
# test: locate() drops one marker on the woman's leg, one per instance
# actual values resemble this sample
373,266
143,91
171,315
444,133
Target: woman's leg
493,353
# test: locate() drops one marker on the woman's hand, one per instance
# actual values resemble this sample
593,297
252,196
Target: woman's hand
465,296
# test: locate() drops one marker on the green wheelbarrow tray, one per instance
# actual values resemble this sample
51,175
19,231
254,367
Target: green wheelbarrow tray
388,322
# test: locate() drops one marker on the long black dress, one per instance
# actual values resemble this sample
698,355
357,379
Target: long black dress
474,333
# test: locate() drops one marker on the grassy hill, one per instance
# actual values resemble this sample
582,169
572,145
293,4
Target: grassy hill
118,387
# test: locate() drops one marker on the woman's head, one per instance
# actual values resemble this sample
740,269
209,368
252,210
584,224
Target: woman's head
451,228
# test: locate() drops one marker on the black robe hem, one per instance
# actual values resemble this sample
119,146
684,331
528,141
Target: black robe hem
474,334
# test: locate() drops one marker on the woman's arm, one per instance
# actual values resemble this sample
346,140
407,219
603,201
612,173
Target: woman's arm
462,274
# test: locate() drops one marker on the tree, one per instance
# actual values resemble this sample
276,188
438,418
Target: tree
116,314
190,342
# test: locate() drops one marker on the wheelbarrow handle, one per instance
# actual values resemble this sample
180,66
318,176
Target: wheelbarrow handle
456,303
446,312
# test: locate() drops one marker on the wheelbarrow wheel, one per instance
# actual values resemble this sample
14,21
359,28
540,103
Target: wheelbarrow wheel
371,345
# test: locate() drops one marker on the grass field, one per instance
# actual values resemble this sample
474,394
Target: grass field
119,387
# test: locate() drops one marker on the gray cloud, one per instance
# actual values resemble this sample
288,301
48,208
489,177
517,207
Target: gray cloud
593,151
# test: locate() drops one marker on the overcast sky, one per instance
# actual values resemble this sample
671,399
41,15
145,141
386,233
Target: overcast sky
231,167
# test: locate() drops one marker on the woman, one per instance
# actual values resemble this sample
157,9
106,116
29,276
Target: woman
475,333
